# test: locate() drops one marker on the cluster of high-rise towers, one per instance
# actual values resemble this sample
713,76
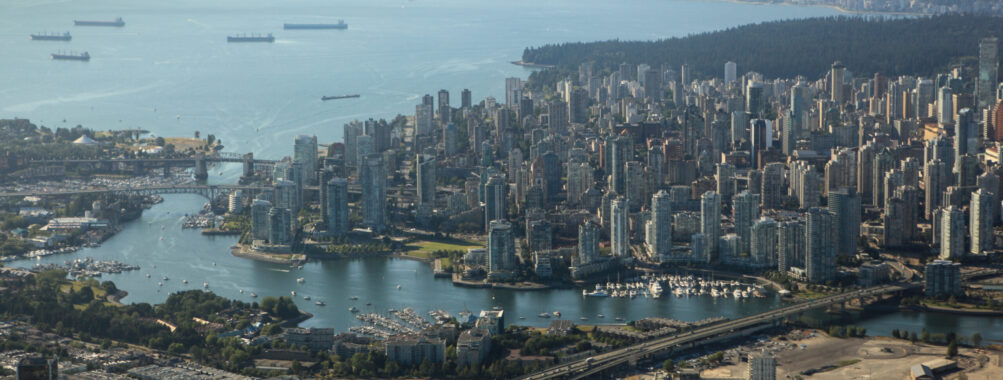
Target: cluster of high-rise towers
643,162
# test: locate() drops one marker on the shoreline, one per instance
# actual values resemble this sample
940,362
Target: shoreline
830,6
241,251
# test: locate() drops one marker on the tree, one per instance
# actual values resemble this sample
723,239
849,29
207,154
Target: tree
895,333
952,349
176,348
912,337
668,365
925,336
976,339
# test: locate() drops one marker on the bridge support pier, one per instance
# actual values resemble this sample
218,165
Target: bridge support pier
201,168
249,164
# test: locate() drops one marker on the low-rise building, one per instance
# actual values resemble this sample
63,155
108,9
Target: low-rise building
409,349
316,339
943,278
473,347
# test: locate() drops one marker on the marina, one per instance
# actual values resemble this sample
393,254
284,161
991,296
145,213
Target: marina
655,285
87,267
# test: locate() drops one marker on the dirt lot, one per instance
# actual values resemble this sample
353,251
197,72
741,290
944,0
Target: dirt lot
866,358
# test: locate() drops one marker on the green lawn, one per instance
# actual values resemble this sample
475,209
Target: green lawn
425,248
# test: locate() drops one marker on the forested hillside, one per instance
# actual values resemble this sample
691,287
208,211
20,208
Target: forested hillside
892,46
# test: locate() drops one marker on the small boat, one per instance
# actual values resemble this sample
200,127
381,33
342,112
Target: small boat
619,319
353,298
160,284
369,304
319,303
557,314
600,316
293,292
543,315
306,298
353,309
165,278
301,280
241,291
254,295
522,318
583,318
147,275
184,281
213,263
398,287
205,284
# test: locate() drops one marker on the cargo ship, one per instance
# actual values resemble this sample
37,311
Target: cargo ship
326,98
340,25
51,37
251,38
116,22
71,57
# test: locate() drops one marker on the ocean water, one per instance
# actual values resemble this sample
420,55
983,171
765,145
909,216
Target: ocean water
171,71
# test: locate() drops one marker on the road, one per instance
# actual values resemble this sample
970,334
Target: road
605,361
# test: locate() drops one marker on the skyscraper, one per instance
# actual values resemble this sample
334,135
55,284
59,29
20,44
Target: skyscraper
730,72
710,222
790,245
936,179
622,151
837,78
981,221
501,247
588,242
495,195
763,242
513,92
373,178
305,152
337,207
352,132
259,219
945,106
445,111
426,179
988,79
844,204
725,180
820,263
540,235
745,210
952,234
465,99
772,191
424,114
659,228
620,228
279,226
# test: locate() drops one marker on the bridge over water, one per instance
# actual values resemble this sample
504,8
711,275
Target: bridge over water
200,162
